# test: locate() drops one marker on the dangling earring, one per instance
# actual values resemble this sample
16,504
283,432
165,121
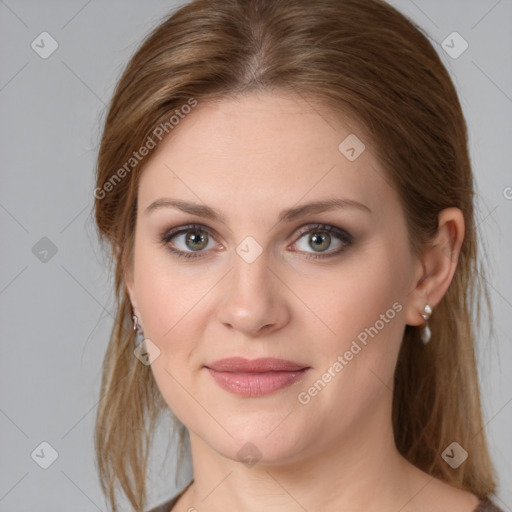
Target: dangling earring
139,335
426,334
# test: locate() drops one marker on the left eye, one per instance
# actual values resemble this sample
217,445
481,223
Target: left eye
319,238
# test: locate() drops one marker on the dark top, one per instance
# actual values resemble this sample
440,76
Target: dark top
485,505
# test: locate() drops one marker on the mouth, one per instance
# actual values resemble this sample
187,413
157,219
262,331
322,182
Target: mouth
256,377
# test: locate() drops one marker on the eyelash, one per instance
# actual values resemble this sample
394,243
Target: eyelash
345,237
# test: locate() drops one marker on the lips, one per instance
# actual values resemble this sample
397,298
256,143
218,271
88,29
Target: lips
264,364
255,377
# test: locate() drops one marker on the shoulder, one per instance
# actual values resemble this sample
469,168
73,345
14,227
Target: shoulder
437,494
486,505
166,506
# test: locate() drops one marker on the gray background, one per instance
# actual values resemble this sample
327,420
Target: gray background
56,309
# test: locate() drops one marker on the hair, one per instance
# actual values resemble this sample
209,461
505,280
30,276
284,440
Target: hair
365,61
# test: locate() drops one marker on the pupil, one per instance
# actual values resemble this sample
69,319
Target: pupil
195,239
320,238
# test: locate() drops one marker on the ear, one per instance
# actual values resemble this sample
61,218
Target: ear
437,265
130,287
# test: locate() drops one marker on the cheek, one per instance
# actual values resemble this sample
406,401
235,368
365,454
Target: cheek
365,309
354,372
169,301
354,296
167,291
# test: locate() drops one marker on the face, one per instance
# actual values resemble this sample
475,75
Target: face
325,289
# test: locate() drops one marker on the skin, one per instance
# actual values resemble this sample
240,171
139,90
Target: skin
250,158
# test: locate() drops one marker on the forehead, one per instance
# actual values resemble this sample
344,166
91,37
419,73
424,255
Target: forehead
263,148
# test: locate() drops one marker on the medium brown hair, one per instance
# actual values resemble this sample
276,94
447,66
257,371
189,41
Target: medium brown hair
362,59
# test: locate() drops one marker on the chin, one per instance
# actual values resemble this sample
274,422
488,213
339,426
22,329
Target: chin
256,445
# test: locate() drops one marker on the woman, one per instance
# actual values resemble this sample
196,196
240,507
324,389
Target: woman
286,190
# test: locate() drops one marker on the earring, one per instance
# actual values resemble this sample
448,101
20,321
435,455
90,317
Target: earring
426,334
139,335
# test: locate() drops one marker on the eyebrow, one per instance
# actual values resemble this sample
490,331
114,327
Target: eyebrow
287,215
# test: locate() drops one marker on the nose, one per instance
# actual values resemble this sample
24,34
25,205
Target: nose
252,297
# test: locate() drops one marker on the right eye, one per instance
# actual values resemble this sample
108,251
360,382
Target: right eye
193,240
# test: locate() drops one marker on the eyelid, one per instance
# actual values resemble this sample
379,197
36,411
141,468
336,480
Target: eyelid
305,228
322,226
167,234
343,235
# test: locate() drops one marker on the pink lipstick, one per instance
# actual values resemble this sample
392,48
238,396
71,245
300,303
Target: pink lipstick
256,377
